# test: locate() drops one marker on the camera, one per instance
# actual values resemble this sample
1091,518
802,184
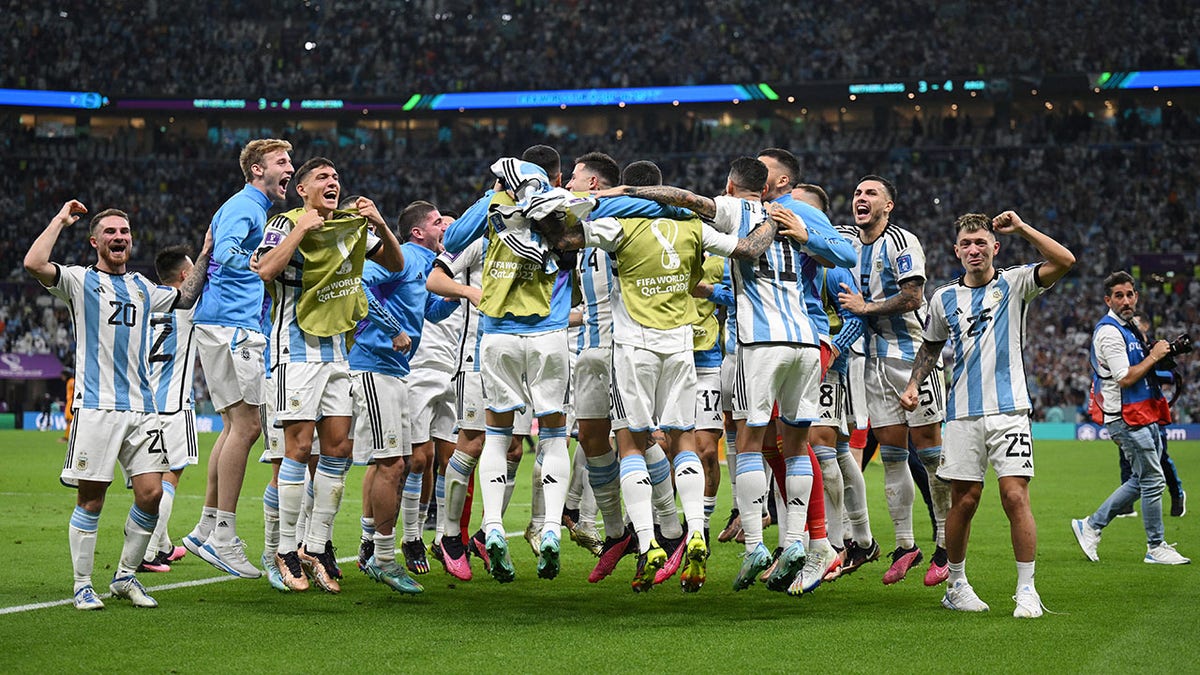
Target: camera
1180,345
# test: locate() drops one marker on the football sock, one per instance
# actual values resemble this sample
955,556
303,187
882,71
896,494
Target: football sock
798,476
291,494
636,491
751,493
161,541
270,519
82,535
899,491
556,475
328,485
938,488
226,528
410,499
604,475
458,474
662,493
493,476
139,526
689,481
1025,573
385,547
958,570
855,496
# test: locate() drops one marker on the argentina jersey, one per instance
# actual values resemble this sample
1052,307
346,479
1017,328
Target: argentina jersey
290,344
985,330
111,313
771,303
595,284
466,267
172,360
896,256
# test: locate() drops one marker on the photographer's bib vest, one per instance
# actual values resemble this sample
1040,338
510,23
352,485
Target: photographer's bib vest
1142,403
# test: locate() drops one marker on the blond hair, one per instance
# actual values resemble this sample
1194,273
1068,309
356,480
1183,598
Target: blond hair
255,150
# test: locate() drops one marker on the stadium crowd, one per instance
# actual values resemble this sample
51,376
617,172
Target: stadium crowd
376,48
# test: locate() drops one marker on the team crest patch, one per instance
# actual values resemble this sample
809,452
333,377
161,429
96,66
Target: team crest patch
878,265
294,403
81,464
391,440
245,354
497,223
469,414
904,264
141,296
996,295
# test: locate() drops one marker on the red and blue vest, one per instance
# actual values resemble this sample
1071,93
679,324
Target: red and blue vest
1142,403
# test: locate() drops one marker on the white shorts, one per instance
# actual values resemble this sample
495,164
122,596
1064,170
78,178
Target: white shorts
273,442
431,400
232,360
835,406
886,379
708,400
1004,440
592,383
179,435
381,417
470,406
789,375
653,389
858,390
102,438
729,402
306,392
526,371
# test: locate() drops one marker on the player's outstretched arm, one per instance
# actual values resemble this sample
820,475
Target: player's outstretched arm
37,259
190,290
444,285
702,206
1059,260
923,365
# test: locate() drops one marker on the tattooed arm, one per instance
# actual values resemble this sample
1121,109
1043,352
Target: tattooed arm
923,365
912,291
702,206
189,291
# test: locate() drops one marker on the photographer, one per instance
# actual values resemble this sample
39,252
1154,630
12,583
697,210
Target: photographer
1166,376
1126,398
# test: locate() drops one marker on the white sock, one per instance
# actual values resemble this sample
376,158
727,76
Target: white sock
578,482
604,474
1025,573
662,492
493,476
855,496
458,475
899,490
537,496
306,507
439,500
368,528
556,476
939,490
958,570
511,468
587,503
328,485
139,527
82,535
731,460
226,528
635,489
161,541
689,481
270,519
208,518
291,497
835,492
410,498
751,493
385,547
710,505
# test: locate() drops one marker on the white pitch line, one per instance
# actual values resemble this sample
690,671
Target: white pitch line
17,609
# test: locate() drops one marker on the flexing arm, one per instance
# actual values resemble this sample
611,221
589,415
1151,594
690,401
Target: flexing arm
912,292
189,291
923,365
37,260
1058,259
669,195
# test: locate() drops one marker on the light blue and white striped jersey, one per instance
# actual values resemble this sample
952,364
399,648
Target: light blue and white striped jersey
771,302
894,257
288,343
466,267
595,282
985,329
172,359
111,313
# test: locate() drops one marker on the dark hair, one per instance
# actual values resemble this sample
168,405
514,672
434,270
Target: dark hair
95,221
348,202
749,173
312,165
411,216
169,261
972,222
887,184
545,157
791,165
603,166
818,192
1116,279
641,173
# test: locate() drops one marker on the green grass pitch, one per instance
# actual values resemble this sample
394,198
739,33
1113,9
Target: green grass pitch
1118,615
